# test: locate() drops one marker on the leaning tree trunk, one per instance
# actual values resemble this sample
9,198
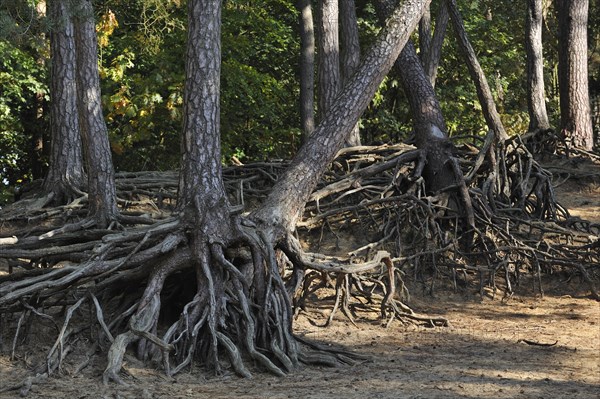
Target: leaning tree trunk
441,169
284,205
101,177
486,99
575,111
65,174
350,53
307,69
536,97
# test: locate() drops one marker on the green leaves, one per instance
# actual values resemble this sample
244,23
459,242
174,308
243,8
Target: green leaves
22,80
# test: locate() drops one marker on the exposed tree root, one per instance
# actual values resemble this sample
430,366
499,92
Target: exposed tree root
517,225
128,286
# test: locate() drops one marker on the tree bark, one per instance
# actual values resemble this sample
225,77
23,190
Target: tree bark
200,182
484,93
288,197
575,112
425,35
536,97
328,71
101,180
65,174
350,53
433,56
307,69
428,120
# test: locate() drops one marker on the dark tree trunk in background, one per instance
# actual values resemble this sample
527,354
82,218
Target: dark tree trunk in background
328,48
65,174
428,120
307,69
536,97
287,199
486,99
101,180
425,35
575,112
432,58
350,53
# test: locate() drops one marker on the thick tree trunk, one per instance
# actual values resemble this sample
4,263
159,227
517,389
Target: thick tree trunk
307,69
65,174
486,99
350,53
428,120
201,186
433,56
536,97
101,180
286,201
575,112
202,200
328,70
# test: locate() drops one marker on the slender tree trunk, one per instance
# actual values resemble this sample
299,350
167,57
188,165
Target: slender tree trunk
433,56
101,180
350,53
286,200
483,89
575,112
425,35
307,69
65,174
330,82
536,97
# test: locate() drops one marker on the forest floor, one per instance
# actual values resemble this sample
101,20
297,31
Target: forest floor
523,347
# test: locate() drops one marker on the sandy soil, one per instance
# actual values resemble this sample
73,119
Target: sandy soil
483,354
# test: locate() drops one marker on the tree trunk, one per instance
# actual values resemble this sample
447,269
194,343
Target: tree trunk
200,181
483,89
536,97
428,120
575,113
101,180
328,71
286,201
425,35
65,174
350,53
433,56
307,69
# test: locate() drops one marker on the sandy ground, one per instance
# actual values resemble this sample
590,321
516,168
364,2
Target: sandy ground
483,354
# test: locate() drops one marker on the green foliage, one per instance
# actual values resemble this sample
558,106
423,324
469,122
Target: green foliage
21,79
259,117
142,63
143,74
